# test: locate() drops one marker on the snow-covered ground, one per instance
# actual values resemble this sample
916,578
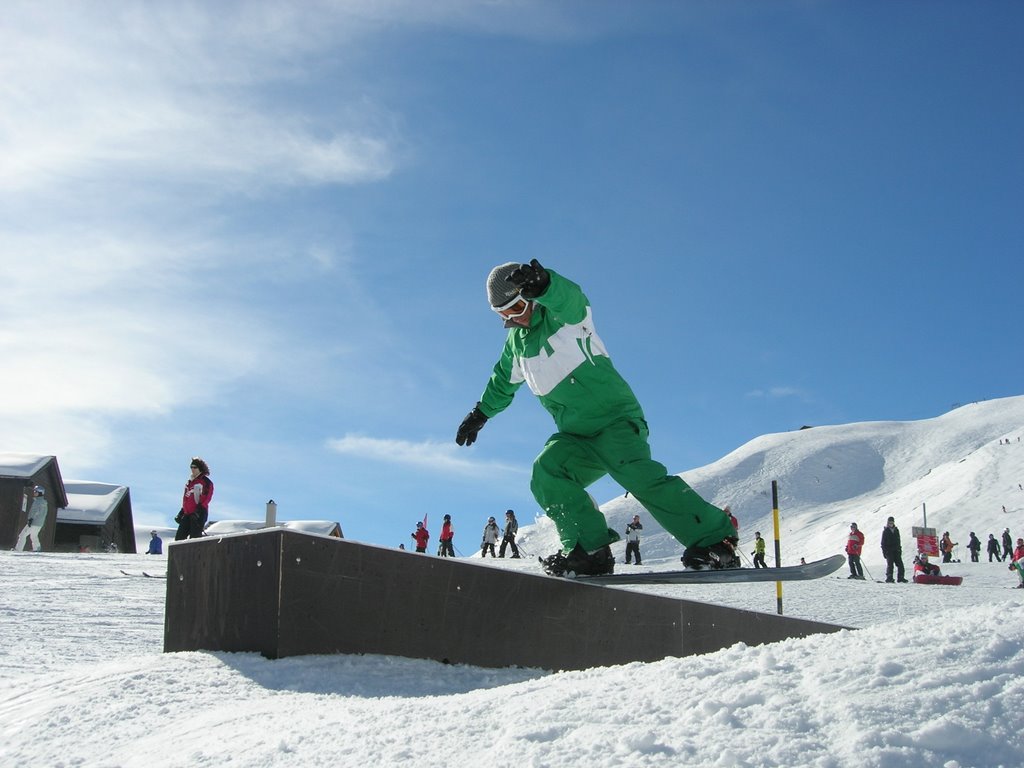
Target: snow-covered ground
931,675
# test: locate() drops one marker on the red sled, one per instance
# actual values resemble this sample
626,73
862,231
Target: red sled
920,578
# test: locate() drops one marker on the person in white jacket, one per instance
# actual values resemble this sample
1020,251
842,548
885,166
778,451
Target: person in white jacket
491,533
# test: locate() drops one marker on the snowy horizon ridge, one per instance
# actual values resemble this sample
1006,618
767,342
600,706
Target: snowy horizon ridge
931,675
958,465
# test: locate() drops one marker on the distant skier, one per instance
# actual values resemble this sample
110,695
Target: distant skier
974,547
490,537
508,538
552,346
993,548
447,548
854,546
421,536
633,528
1018,562
758,552
892,551
946,546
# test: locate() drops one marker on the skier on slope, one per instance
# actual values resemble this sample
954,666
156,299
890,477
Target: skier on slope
552,347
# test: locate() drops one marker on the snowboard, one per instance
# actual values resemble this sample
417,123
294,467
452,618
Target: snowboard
815,569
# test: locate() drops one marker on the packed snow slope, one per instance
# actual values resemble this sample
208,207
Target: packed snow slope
932,676
961,468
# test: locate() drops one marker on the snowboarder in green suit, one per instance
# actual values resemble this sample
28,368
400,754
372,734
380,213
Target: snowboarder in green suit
553,348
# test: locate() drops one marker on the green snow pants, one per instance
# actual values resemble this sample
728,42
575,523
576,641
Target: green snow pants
569,463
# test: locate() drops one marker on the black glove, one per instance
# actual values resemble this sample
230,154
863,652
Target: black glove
531,279
180,516
470,426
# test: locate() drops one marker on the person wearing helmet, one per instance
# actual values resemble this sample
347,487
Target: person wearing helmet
421,536
553,348
446,548
491,533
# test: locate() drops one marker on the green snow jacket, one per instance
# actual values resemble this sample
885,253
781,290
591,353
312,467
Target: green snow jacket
563,361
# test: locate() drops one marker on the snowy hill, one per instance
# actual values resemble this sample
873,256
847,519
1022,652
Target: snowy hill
964,466
933,676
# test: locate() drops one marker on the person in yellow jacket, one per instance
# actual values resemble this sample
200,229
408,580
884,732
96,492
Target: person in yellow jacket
758,552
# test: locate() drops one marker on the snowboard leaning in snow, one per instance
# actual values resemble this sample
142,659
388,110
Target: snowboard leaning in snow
813,570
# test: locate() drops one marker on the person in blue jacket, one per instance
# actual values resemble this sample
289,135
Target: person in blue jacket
156,544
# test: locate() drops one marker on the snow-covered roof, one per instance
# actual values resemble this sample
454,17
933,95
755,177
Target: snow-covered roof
90,502
22,464
224,527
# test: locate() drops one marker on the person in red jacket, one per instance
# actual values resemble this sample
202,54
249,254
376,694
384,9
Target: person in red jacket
195,501
421,535
1018,562
854,546
447,549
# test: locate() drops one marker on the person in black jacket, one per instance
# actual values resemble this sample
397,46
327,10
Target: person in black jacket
892,551
993,548
974,546
509,537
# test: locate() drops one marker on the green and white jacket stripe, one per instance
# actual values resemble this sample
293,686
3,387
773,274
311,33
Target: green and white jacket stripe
564,362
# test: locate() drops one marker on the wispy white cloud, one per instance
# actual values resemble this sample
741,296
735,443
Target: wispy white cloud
776,393
139,91
437,457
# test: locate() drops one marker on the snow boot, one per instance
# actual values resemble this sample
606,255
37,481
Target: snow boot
579,562
715,557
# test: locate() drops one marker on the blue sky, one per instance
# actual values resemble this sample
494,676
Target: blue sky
261,235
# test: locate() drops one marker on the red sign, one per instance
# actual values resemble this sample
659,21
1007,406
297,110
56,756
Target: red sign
927,541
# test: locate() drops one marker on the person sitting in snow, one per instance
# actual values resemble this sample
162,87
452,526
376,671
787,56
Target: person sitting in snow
1018,562
923,567
156,544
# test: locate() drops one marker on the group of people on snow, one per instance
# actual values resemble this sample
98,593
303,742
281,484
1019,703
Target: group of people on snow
892,551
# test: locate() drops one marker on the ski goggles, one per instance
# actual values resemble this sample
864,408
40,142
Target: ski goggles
517,307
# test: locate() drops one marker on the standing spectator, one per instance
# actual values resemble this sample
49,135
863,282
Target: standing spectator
946,546
34,522
447,549
491,533
732,518
758,552
974,547
509,537
993,548
195,501
421,535
1018,562
854,546
633,528
156,544
600,429
1007,544
892,551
